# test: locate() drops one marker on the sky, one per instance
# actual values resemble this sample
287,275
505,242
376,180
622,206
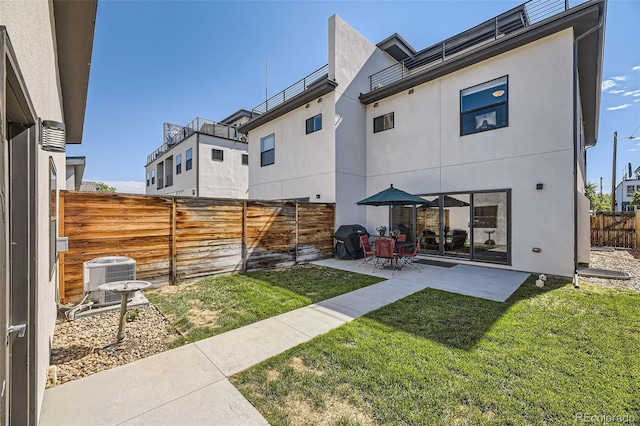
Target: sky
173,61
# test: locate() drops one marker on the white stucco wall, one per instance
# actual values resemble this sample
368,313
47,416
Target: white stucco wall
304,163
222,179
186,182
29,25
352,59
424,153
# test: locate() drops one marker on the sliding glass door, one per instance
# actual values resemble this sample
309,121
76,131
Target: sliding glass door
491,227
471,225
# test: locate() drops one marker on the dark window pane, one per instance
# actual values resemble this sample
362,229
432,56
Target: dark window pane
490,96
384,122
484,119
245,159
268,157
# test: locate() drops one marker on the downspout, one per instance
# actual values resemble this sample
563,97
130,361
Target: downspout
576,142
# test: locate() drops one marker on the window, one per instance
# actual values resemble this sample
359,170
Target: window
267,150
53,217
245,159
484,107
148,175
189,162
314,124
178,164
153,177
217,154
631,189
384,122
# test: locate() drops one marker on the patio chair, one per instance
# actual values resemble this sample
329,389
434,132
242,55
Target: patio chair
369,253
384,254
409,258
402,238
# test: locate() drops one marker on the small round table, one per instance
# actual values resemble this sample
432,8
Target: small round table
490,242
123,288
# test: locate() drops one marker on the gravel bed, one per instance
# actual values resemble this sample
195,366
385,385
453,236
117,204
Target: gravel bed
618,260
87,345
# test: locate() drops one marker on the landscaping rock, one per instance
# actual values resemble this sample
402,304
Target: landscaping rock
88,345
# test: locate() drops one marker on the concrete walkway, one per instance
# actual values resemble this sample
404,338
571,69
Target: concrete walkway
189,385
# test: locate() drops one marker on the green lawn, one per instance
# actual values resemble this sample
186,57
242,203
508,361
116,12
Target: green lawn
212,306
543,357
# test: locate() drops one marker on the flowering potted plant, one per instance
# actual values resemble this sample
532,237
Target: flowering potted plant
381,230
394,233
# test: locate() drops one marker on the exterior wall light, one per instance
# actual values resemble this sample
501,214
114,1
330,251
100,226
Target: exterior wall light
53,136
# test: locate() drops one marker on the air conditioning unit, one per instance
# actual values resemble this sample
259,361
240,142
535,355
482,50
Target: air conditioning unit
106,270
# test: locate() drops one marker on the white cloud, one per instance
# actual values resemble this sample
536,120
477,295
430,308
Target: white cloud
127,186
636,68
632,150
619,78
631,93
636,100
608,84
618,107
615,92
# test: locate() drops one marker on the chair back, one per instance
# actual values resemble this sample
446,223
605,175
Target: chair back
364,243
402,238
384,248
416,248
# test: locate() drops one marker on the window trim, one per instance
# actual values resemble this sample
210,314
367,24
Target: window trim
485,107
153,176
189,159
244,160
382,119
214,151
263,152
313,123
178,164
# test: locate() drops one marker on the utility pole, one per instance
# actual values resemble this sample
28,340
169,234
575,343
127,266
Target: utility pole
613,173
600,186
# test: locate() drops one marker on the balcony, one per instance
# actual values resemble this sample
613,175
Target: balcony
299,93
199,125
293,90
529,13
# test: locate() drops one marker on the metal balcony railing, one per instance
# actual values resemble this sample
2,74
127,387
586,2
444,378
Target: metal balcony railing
199,125
519,17
291,91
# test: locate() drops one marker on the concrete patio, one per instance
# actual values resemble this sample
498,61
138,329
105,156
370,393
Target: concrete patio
189,385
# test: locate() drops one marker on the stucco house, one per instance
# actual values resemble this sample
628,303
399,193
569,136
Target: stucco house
489,126
45,51
204,159
626,189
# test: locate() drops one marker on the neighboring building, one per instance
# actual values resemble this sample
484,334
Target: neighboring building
75,171
625,191
45,52
489,126
204,159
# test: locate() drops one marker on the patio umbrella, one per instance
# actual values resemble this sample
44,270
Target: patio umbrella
391,197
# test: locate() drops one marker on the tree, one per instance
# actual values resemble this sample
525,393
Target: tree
103,187
597,202
636,199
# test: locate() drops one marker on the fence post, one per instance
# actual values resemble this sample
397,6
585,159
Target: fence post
297,234
637,228
61,282
173,268
243,248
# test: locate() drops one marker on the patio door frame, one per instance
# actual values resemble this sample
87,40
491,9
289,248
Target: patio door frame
472,251
18,237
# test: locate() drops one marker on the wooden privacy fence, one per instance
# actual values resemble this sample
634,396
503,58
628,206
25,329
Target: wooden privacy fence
176,238
615,229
